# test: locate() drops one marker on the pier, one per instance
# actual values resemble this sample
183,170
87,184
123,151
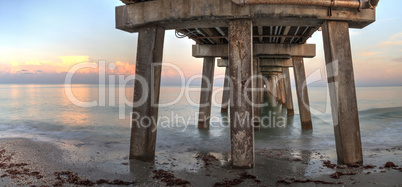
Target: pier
257,41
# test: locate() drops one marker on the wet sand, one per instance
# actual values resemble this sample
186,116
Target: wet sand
42,160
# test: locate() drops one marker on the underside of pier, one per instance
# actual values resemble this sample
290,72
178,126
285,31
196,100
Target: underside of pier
253,38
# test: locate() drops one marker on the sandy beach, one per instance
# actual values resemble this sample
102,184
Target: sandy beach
48,164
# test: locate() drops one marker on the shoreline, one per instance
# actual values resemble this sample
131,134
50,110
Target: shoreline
44,160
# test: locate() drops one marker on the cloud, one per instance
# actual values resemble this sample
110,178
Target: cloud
367,53
397,59
394,40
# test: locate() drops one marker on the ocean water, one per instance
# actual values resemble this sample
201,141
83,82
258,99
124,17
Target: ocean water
45,112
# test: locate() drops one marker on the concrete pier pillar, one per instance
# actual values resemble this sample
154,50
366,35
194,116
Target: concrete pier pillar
206,92
260,85
272,88
302,93
147,85
256,109
339,65
241,110
269,84
278,89
288,90
226,92
282,88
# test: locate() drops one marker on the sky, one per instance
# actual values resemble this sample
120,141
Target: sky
41,40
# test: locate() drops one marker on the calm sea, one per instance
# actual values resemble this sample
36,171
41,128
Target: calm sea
44,112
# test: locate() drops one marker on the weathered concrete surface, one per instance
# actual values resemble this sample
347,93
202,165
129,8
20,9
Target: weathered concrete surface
286,62
302,93
282,88
288,90
226,92
285,50
271,69
270,85
260,85
148,69
342,91
181,14
206,93
223,62
278,93
267,74
241,110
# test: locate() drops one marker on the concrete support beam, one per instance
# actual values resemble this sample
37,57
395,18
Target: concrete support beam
241,110
271,69
338,57
282,88
223,62
206,93
266,50
148,68
267,74
302,93
288,90
215,13
226,92
286,62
